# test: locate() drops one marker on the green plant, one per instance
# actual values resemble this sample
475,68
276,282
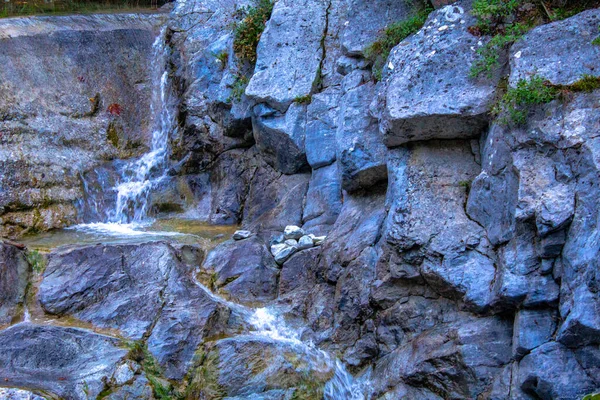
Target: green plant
591,396
222,57
378,51
203,379
238,88
163,390
489,55
307,99
248,31
492,13
596,41
36,260
515,101
587,83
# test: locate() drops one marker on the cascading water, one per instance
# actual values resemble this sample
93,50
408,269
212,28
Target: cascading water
141,176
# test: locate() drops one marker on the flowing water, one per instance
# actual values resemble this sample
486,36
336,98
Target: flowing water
128,222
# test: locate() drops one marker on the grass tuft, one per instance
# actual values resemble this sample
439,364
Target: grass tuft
36,260
378,52
248,31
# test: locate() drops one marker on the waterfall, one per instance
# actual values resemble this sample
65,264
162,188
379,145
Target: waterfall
139,177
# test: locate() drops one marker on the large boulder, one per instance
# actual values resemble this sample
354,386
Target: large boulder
428,93
14,275
568,52
145,291
323,200
289,53
243,271
67,362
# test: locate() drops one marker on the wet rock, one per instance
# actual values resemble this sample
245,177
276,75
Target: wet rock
289,53
298,272
53,114
240,235
248,366
244,271
568,51
428,92
139,389
360,153
68,362
117,286
14,274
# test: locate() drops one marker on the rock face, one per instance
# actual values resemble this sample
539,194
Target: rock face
451,255
60,77
429,94
67,362
14,274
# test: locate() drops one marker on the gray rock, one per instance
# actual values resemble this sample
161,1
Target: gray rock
240,235
552,372
68,362
280,138
110,286
14,275
291,242
568,51
139,389
365,21
248,366
361,154
318,240
305,242
243,271
282,252
293,232
532,329
289,53
323,200
427,92
18,394
53,114
321,125
297,273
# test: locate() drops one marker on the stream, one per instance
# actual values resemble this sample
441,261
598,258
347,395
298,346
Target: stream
129,222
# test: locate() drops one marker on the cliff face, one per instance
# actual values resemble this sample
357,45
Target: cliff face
59,77
461,252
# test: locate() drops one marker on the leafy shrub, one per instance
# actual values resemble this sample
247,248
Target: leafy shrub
515,101
378,51
492,13
591,396
303,99
248,31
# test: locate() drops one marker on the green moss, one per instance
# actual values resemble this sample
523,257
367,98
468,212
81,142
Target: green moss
203,379
34,7
596,41
238,88
587,83
378,51
248,31
303,99
112,134
514,105
36,260
162,388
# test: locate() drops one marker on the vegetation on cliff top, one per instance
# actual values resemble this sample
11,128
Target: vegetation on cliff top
13,8
249,30
514,105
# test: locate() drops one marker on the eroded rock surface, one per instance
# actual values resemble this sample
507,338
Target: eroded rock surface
14,274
